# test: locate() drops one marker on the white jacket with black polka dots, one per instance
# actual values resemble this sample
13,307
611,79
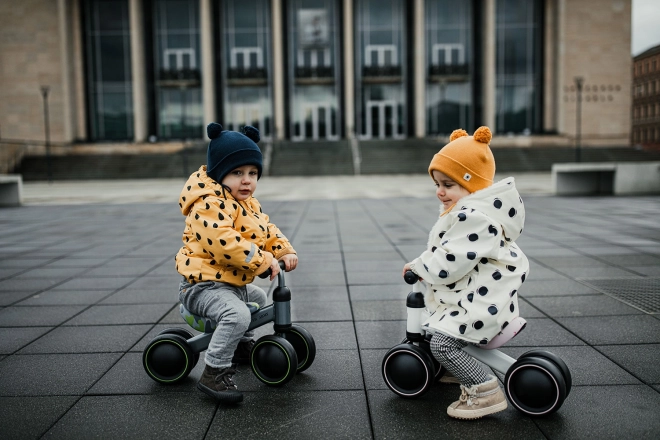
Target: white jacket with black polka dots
472,267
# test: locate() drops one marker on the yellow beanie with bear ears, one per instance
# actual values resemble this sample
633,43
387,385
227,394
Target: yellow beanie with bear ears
467,160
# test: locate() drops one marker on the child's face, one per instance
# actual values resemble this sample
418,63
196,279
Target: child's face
242,181
448,191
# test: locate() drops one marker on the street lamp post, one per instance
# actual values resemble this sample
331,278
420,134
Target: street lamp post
44,94
579,81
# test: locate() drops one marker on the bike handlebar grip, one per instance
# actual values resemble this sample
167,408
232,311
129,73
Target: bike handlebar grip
269,271
410,277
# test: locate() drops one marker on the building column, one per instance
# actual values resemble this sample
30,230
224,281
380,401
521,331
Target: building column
279,70
80,107
551,92
140,124
64,25
349,68
489,64
208,64
419,70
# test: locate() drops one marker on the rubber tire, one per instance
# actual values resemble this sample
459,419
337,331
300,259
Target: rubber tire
181,332
439,369
273,360
408,370
535,386
303,343
557,361
168,359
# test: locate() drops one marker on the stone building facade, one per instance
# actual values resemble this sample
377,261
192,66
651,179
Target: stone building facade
646,98
128,72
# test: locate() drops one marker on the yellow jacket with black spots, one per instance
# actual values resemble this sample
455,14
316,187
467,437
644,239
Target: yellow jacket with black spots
224,240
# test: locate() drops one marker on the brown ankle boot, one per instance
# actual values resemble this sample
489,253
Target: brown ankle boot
478,401
218,384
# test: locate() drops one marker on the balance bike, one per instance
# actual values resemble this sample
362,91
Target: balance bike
536,383
275,359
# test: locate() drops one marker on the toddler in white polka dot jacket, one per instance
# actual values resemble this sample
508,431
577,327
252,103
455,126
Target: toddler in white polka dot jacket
472,268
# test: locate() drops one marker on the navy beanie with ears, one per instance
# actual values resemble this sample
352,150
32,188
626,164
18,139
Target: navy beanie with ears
229,150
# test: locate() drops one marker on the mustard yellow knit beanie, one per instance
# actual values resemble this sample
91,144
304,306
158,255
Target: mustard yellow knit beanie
467,160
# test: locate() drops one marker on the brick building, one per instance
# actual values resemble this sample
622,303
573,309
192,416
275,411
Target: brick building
646,98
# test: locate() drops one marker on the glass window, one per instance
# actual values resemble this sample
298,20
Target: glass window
380,49
108,64
449,65
314,70
519,54
245,65
177,60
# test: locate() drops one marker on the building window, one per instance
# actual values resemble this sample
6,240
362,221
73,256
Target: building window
314,70
380,48
177,69
108,64
449,66
518,75
246,60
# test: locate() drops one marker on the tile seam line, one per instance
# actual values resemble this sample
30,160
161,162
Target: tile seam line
350,303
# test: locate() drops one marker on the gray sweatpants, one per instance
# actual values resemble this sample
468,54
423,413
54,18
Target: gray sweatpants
225,304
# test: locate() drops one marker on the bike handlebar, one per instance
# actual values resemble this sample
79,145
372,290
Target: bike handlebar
269,271
410,277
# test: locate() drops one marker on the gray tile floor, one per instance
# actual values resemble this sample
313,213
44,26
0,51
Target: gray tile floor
85,287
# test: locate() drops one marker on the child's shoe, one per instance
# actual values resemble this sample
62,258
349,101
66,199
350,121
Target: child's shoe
242,353
478,401
218,383
449,378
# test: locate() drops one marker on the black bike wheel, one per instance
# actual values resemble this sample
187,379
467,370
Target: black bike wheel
557,361
273,360
168,359
183,333
535,386
303,343
408,370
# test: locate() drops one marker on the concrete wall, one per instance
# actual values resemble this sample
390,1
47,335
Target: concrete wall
30,56
594,42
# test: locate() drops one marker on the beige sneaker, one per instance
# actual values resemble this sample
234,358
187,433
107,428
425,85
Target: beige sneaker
478,401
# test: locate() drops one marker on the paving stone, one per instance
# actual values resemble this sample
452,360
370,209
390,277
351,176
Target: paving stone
31,417
121,314
632,329
590,412
53,374
560,287
642,360
397,418
583,305
94,283
295,414
87,339
65,297
379,310
172,415
14,338
30,316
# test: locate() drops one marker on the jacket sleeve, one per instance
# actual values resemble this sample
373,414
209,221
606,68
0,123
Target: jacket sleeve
471,237
276,242
214,229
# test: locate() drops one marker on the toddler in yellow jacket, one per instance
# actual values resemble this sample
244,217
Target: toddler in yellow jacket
227,241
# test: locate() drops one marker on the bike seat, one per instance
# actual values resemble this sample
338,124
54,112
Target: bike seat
207,325
509,332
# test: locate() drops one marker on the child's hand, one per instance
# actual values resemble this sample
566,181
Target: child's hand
406,268
274,269
290,261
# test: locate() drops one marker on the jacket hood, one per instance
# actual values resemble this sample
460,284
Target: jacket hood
501,202
200,186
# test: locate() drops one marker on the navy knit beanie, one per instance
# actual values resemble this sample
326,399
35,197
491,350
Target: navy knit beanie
229,150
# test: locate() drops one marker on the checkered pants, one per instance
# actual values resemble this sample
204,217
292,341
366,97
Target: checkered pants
448,351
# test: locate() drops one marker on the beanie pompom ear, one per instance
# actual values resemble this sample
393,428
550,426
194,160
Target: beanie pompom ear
252,133
483,135
457,134
213,130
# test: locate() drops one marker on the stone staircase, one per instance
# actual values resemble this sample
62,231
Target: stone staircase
410,156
